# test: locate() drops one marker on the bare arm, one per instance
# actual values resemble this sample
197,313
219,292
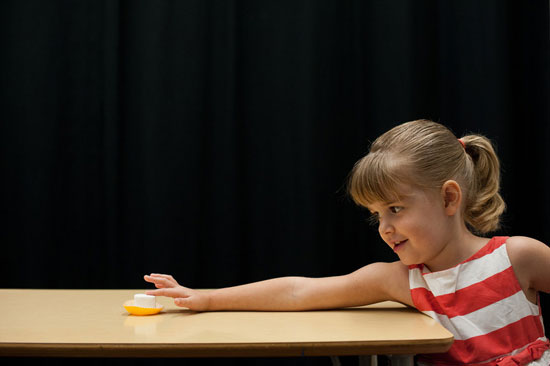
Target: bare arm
372,283
531,263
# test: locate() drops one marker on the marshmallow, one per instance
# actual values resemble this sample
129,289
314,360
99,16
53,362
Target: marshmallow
145,301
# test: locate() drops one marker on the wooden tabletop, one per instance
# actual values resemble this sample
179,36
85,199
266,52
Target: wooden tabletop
93,323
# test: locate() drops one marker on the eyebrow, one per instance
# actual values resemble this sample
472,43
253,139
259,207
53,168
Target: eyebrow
400,199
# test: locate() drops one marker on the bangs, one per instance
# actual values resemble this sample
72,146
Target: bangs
377,178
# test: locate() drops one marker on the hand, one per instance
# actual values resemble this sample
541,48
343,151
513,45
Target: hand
183,296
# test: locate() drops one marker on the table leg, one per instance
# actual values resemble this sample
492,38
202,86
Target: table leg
401,360
368,360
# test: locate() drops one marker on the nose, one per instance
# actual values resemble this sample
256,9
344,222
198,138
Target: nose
385,227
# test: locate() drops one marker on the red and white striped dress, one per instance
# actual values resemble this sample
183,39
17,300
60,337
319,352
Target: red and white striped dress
481,303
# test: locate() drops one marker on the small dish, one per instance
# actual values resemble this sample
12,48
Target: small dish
137,310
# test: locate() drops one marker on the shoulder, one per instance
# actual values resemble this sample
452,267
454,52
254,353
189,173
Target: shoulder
393,280
530,260
523,248
370,284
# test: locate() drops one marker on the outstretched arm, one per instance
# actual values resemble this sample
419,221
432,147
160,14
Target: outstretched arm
372,283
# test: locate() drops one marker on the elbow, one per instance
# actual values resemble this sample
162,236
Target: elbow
300,296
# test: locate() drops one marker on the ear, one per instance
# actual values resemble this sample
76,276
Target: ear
452,197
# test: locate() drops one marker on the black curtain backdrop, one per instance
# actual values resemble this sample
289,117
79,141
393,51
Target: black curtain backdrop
212,139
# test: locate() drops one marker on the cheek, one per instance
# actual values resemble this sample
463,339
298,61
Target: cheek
413,223
432,230
423,228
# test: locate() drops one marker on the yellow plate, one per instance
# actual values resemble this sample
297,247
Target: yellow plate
137,310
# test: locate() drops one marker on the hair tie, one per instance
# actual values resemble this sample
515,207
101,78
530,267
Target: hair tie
462,143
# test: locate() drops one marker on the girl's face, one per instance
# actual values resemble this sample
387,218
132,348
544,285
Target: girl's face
415,226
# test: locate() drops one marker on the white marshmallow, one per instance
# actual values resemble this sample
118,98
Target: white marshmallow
145,301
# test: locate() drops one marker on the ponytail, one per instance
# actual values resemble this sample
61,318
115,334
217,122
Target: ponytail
484,204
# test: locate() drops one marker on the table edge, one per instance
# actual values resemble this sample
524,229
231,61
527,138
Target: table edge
176,350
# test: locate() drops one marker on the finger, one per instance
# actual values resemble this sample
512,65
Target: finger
148,278
152,278
159,275
153,281
168,292
160,281
153,293
168,278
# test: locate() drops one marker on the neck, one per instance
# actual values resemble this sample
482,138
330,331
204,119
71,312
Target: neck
461,245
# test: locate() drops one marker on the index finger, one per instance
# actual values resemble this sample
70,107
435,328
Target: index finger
168,292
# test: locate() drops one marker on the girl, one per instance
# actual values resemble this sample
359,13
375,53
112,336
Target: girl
433,196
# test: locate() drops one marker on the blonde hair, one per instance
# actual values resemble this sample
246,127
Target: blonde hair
426,154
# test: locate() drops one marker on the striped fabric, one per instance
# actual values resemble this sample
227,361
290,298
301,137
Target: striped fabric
481,303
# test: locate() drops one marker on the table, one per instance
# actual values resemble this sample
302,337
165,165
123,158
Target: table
93,323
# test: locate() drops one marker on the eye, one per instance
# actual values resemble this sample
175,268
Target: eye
395,209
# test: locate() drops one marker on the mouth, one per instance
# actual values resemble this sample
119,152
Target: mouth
399,244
